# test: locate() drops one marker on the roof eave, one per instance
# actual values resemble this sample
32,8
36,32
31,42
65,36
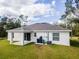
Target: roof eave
38,30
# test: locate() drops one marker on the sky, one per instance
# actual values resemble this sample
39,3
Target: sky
36,10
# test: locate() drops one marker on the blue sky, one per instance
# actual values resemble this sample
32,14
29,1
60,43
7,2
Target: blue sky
59,9
36,10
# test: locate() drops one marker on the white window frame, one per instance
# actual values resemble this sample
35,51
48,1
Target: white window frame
54,36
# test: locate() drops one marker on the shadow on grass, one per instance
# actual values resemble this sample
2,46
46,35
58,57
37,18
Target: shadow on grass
74,43
3,38
29,44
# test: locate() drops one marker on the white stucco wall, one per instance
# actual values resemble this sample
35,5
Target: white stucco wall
33,39
18,36
43,34
63,37
9,36
38,34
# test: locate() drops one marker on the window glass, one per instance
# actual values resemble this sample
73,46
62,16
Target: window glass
56,36
34,34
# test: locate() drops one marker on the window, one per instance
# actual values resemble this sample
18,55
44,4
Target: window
12,35
34,34
56,36
27,36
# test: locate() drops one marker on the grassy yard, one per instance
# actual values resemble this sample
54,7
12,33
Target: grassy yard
32,51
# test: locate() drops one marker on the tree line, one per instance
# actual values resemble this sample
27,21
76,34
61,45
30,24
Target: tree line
71,16
8,23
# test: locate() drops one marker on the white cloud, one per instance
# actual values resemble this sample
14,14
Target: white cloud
32,19
63,1
8,11
35,9
61,22
52,11
17,2
25,7
13,6
51,23
58,12
28,8
1,1
53,3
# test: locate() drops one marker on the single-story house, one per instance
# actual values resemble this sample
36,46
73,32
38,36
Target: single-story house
39,33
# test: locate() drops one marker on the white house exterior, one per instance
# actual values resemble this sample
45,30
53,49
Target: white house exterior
35,32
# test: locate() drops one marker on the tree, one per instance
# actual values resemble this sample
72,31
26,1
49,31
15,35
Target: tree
12,25
2,32
71,16
23,19
4,25
17,23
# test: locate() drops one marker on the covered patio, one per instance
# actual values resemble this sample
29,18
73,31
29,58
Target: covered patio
19,38
19,43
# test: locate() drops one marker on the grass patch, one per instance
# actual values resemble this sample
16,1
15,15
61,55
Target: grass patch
32,51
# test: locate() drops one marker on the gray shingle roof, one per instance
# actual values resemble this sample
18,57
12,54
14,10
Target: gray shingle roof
40,26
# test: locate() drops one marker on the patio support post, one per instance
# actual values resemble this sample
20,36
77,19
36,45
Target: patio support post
47,36
11,39
22,40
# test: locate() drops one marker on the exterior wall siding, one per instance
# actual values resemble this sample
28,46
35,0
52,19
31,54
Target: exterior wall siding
9,36
63,37
38,35
33,39
18,36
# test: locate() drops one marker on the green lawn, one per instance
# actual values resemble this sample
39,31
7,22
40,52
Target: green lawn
32,51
